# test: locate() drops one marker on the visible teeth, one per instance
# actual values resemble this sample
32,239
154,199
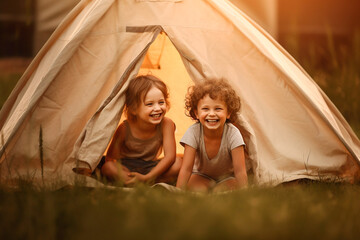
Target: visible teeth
211,120
156,115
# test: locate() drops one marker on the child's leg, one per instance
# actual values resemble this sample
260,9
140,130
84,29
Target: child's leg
171,174
114,171
226,185
199,183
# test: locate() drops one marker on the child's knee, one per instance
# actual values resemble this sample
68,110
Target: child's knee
109,169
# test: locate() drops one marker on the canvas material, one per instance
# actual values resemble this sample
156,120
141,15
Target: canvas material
74,90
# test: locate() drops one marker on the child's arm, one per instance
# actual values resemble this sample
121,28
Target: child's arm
186,167
169,147
113,153
238,158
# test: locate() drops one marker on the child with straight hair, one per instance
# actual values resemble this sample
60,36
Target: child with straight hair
139,140
214,157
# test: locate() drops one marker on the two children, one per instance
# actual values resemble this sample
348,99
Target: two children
214,148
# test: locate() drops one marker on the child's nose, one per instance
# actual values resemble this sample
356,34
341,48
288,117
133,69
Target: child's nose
157,107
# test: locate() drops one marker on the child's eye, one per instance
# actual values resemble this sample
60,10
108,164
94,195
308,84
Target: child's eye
162,102
204,109
148,104
218,109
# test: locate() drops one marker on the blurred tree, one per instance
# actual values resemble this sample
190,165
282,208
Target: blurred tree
16,27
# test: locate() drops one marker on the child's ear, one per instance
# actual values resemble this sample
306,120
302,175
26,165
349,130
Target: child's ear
196,114
228,116
132,111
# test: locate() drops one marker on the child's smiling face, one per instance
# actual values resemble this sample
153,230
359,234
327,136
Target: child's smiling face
212,113
153,108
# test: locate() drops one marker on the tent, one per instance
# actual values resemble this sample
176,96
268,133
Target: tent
65,108
49,13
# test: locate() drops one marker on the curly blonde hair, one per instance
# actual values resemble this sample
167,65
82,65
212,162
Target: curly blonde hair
216,89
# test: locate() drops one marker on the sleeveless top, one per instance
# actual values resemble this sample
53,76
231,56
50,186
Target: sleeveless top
145,149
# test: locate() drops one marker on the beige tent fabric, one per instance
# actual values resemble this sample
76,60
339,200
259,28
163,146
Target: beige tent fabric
264,12
74,90
48,15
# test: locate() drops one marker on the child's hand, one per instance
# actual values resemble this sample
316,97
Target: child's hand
136,177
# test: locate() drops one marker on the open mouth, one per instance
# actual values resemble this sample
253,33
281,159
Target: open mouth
212,120
156,115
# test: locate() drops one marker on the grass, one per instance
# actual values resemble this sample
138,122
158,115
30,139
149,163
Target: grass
308,211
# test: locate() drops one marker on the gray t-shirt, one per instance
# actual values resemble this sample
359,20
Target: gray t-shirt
221,166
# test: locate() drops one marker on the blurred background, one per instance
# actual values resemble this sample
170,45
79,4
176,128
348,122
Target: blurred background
322,35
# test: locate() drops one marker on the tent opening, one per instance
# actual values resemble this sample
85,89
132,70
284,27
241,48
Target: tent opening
163,61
